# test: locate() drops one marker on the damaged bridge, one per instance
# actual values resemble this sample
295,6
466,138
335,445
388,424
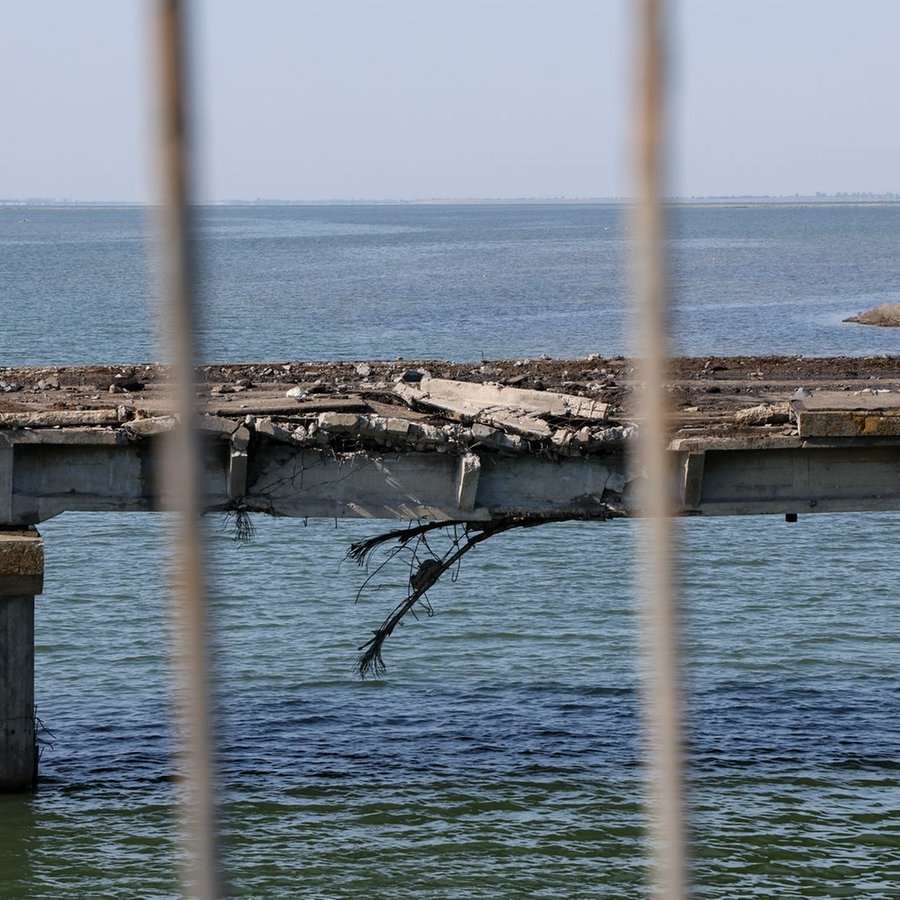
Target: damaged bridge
481,452
389,441
499,445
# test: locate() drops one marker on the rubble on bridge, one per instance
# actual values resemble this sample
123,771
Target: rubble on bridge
541,406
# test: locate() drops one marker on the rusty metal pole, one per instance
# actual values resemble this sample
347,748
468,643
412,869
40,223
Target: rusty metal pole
182,483
662,692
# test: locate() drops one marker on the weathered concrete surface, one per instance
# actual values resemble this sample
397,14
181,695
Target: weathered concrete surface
470,487
834,414
21,562
823,423
786,477
21,577
389,440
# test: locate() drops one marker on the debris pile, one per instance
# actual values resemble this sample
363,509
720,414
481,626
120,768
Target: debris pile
539,406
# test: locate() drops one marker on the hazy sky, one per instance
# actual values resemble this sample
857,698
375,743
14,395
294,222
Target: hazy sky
410,99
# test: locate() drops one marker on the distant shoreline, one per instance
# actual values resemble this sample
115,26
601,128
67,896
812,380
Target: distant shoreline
723,201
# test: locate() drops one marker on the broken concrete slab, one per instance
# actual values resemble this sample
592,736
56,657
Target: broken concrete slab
764,414
271,430
150,426
63,418
497,439
519,410
443,393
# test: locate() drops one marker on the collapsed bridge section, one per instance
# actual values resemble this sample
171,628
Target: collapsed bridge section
447,449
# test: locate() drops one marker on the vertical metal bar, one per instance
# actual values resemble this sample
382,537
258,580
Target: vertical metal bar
182,466
663,704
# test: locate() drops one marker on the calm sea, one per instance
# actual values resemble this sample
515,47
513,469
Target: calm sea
501,755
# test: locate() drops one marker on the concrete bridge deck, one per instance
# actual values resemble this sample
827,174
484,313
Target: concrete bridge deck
439,440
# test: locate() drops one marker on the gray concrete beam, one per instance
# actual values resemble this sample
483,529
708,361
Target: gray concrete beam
46,473
294,482
852,478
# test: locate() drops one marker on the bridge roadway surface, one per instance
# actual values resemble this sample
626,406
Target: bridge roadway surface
381,440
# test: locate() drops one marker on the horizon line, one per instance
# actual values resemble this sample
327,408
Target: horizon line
819,196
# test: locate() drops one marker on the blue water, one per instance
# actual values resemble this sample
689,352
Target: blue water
447,282
501,755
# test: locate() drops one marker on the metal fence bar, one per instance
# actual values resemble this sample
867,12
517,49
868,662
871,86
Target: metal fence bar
182,473
662,690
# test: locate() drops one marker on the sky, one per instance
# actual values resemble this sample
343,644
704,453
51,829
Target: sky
451,99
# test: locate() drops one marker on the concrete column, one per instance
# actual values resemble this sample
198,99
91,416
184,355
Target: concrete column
21,577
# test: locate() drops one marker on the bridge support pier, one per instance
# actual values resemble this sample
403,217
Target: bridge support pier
21,578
